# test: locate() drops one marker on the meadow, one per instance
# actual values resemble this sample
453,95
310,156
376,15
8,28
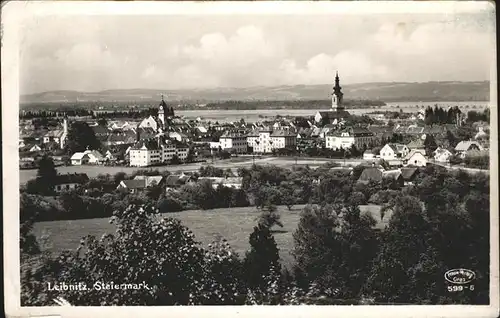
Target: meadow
233,224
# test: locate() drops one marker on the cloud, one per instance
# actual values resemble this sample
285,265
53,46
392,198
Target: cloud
93,53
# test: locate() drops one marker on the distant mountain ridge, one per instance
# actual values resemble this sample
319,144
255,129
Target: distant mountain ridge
387,92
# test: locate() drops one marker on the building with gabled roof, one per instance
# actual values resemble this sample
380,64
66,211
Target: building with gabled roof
68,182
348,137
234,142
393,151
415,158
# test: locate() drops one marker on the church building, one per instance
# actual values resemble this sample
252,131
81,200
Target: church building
159,123
337,113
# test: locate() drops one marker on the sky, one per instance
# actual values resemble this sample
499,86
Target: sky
182,51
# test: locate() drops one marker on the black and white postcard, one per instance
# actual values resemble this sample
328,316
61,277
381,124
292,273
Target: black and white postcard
250,158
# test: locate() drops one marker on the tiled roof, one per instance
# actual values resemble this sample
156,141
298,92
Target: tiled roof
408,173
413,152
466,145
77,156
177,180
416,144
134,184
283,133
391,174
370,174
150,144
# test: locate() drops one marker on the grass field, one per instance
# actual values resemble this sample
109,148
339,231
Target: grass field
233,224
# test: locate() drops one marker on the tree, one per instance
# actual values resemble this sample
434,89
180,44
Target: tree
175,160
46,177
344,249
190,155
46,168
159,253
430,144
405,270
262,259
269,217
28,214
81,137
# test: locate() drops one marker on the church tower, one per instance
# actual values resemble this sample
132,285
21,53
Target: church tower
162,110
337,95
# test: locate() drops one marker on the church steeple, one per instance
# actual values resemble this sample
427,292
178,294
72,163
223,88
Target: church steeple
162,109
337,94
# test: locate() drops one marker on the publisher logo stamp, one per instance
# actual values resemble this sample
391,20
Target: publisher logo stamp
460,279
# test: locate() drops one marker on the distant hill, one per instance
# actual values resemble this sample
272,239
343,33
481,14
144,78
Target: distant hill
387,92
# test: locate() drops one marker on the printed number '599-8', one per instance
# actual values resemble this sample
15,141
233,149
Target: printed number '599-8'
459,288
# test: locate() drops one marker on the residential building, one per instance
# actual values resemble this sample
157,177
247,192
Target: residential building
145,153
156,151
87,157
417,144
173,182
234,142
283,139
263,144
252,139
131,186
181,137
150,181
409,175
68,182
393,151
464,146
230,182
377,175
346,138
79,158
442,155
58,136
415,158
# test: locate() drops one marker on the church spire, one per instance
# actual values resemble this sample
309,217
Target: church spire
337,95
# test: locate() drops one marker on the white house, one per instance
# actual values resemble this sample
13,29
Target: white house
415,158
145,153
79,158
156,151
394,152
233,142
442,155
348,137
95,157
67,182
263,144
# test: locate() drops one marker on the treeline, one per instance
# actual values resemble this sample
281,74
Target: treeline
293,104
439,223
81,112
438,115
